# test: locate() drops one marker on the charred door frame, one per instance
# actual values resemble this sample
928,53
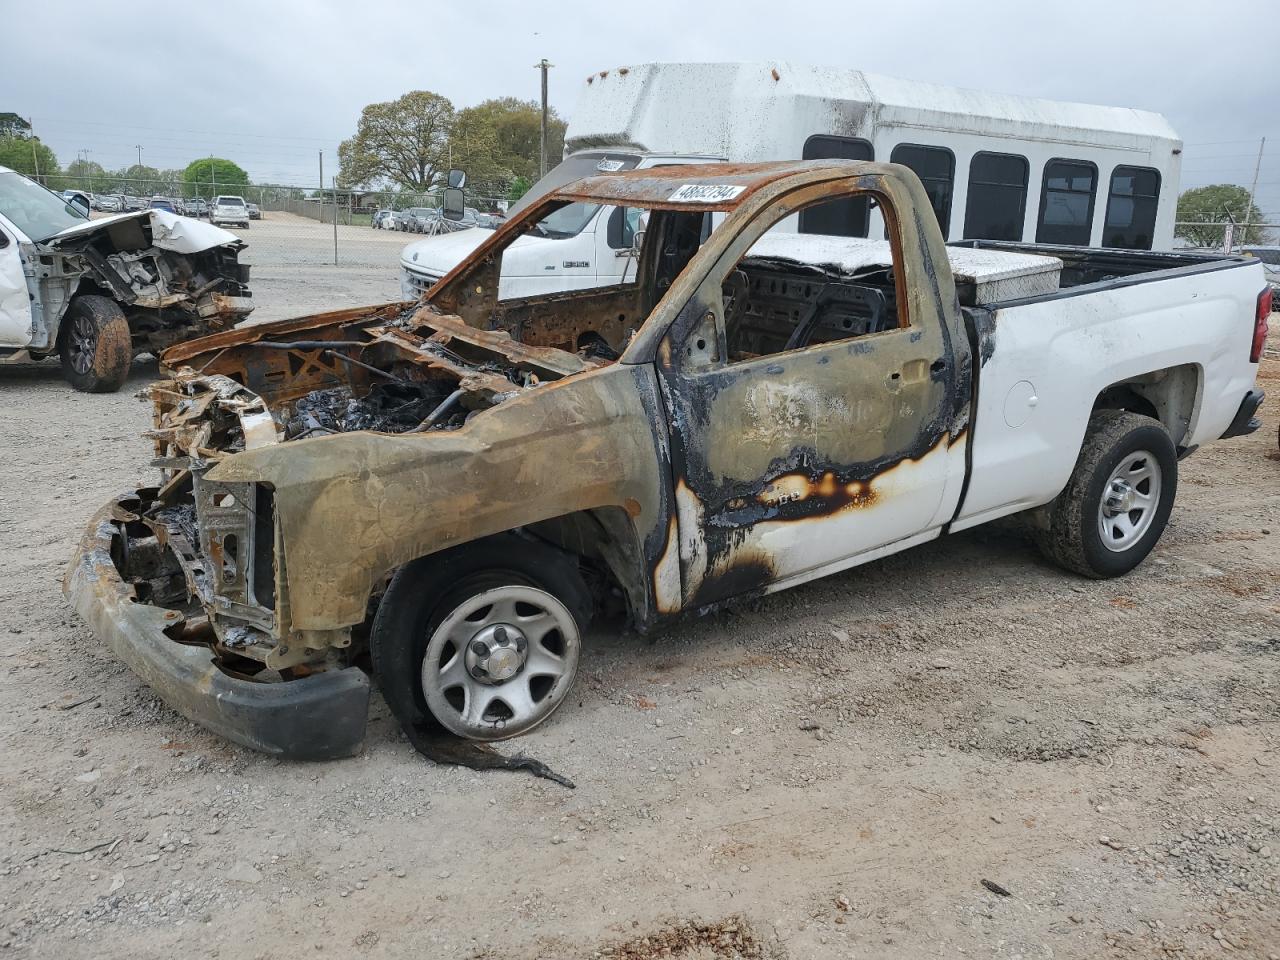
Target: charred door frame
716,515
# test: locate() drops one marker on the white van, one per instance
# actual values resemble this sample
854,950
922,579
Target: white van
995,166
585,245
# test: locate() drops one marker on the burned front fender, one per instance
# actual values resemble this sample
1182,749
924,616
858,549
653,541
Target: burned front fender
353,507
318,717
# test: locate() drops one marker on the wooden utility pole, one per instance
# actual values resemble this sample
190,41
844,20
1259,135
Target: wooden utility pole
543,65
1248,214
35,160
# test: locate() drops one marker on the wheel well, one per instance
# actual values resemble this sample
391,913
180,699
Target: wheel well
606,542
1170,395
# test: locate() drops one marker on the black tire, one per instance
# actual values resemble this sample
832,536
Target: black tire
1074,538
95,345
425,591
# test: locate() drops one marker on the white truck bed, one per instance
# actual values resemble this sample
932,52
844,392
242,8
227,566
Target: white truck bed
996,275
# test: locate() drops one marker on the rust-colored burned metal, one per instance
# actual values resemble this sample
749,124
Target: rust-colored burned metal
652,187
706,466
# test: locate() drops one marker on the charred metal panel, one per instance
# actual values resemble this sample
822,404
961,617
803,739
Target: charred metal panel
354,506
798,459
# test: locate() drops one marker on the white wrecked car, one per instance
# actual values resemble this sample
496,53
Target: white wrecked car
99,292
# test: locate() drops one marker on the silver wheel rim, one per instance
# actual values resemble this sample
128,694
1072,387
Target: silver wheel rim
82,341
500,663
1129,501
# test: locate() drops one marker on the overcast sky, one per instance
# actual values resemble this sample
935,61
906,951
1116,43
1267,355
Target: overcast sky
270,84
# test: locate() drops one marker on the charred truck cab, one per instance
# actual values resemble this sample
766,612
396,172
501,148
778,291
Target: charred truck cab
439,492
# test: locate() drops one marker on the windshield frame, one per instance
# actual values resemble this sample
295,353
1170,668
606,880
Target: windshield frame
569,221
35,230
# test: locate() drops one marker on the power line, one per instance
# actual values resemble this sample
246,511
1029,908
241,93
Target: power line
216,133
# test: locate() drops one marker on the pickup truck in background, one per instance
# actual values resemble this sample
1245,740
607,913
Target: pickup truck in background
96,293
448,489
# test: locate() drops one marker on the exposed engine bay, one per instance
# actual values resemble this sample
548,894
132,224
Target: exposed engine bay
393,369
210,549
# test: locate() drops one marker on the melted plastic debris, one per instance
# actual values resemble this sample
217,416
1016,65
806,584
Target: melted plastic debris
388,408
181,519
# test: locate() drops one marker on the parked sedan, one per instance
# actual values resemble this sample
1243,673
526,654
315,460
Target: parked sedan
254,212
196,207
163,203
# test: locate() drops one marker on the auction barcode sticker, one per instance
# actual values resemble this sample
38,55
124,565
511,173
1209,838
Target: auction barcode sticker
705,193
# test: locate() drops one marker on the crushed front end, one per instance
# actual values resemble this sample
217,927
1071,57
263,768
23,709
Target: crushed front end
187,581
174,278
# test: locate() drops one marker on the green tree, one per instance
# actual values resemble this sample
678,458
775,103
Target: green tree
1210,205
86,175
404,141
12,125
518,188
24,154
516,126
473,142
210,176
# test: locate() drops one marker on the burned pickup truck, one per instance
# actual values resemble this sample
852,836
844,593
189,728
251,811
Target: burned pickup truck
440,493
97,293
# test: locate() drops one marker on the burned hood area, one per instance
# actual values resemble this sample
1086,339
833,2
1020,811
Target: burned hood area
392,369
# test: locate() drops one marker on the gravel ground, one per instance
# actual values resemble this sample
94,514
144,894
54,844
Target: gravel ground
855,768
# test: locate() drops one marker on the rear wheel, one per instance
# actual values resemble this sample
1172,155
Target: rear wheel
1117,502
95,345
483,640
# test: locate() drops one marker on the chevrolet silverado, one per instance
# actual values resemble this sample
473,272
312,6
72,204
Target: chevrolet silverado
438,493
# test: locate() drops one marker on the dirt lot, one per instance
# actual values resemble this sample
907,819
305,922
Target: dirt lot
832,772
293,270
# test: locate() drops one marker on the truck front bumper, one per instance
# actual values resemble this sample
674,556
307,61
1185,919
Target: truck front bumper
319,717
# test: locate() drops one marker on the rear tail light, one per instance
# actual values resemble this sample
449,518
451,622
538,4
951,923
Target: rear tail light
1260,328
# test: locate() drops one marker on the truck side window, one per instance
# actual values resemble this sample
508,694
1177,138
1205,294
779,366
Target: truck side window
790,291
1131,208
936,168
837,218
1066,202
997,198
622,226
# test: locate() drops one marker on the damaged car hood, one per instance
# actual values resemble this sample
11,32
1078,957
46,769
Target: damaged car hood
168,231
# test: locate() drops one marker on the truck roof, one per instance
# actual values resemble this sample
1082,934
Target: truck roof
711,186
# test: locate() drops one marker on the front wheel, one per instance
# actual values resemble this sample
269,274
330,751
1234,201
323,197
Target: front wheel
483,640
1118,500
95,345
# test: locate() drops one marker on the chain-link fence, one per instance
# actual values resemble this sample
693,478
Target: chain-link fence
293,223
309,249
1227,236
